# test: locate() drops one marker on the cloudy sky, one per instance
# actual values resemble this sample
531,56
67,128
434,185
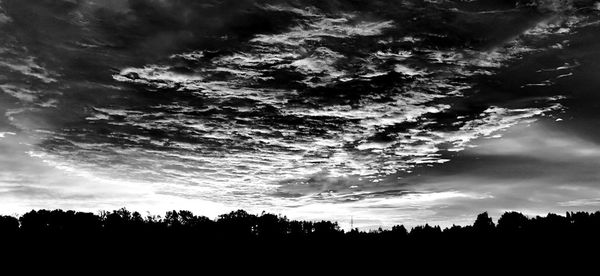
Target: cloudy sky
387,112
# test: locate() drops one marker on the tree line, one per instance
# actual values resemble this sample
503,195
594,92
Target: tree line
241,225
189,241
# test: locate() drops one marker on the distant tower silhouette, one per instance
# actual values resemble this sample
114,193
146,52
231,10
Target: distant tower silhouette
351,223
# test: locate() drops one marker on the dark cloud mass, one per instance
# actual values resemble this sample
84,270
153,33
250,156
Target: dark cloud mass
390,111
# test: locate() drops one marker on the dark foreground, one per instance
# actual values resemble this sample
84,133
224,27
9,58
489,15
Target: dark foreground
238,239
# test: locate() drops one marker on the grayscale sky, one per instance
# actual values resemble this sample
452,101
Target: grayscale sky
387,112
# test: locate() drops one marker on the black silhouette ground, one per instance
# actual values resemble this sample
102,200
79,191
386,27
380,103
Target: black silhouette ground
238,238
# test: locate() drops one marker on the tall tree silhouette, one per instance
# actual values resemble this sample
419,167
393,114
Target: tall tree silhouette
484,224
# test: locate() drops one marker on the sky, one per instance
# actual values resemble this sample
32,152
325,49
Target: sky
383,113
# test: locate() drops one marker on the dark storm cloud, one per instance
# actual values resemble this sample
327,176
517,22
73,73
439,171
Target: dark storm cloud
149,27
157,25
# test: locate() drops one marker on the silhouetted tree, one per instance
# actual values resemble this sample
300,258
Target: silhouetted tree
325,229
512,222
484,224
399,231
270,226
8,225
238,225
425,232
